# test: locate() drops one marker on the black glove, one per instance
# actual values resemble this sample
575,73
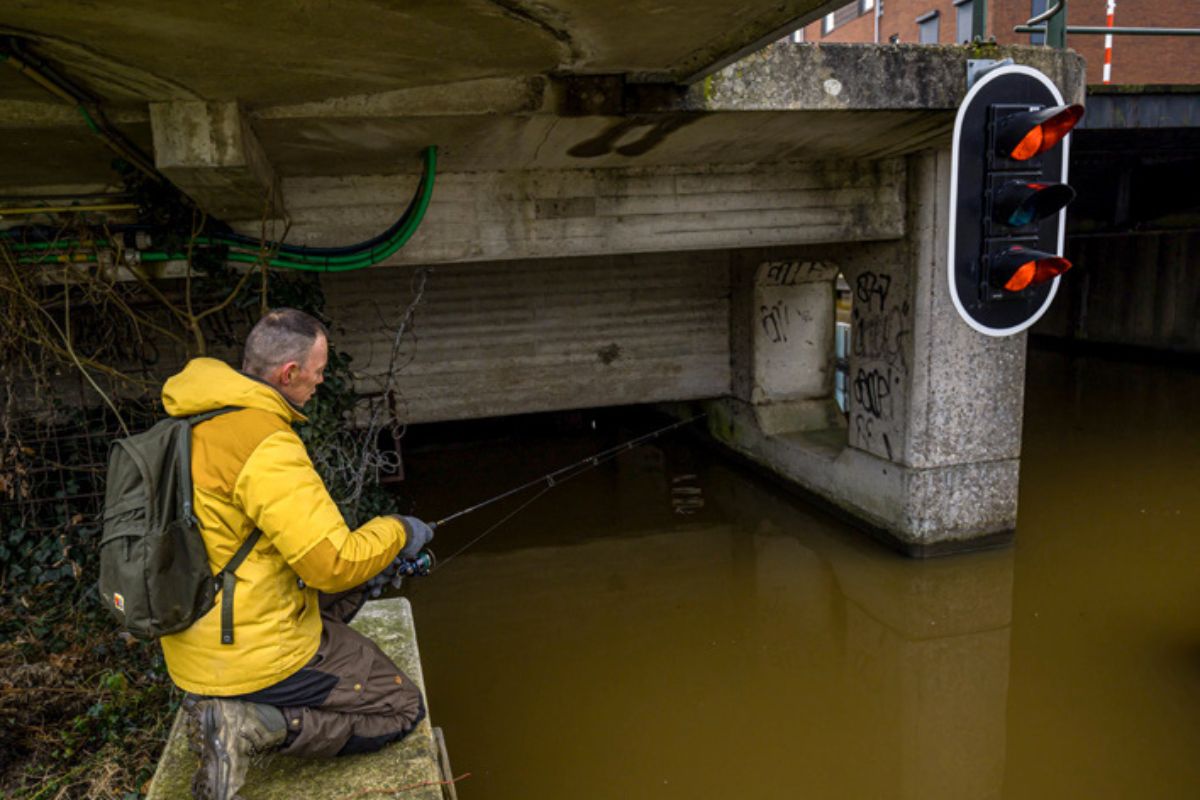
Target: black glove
418,535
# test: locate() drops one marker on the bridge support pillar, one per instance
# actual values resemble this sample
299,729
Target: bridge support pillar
928,453
209,151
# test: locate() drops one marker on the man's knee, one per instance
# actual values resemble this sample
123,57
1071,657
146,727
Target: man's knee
342,606
404,698
373,733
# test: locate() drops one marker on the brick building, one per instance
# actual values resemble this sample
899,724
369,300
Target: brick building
1135,59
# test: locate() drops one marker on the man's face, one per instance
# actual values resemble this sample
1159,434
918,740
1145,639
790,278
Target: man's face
298,382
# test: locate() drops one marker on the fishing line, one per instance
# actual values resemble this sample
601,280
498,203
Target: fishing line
472,543
553,479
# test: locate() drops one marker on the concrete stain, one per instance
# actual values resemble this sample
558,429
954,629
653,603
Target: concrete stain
609,354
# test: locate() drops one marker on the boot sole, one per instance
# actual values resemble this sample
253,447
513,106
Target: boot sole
213,760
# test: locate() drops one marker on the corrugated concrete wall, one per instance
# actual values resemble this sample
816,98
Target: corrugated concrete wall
1141,290
522,336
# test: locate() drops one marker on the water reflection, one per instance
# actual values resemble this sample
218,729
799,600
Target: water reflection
1106,678
920,651
605,645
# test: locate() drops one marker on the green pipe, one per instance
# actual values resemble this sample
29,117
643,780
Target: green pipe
402,236
979,20
91,123
344,263
62,89
348,263
153,256
368,257
351,252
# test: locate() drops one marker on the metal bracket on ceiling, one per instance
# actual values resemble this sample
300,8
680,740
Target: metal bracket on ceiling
978,67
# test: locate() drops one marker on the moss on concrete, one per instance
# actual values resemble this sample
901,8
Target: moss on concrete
866,77
412,761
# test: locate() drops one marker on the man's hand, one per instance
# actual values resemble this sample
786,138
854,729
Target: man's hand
419,535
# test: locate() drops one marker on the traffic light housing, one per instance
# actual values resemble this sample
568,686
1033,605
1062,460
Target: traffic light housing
1008,199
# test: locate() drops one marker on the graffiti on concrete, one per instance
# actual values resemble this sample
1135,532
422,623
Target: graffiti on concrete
791,273
776,319
873,391
880,335
872,289
879,329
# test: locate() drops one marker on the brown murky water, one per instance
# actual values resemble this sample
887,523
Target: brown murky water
671,626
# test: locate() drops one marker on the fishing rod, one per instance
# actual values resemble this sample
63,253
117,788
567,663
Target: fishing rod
552,479
425,562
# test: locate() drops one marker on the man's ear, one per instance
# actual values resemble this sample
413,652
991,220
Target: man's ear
287,373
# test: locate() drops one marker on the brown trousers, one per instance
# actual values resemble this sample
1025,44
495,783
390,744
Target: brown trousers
350,698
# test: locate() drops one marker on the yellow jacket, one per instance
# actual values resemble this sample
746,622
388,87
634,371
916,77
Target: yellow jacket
249,468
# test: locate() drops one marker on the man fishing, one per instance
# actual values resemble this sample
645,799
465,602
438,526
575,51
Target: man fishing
280,668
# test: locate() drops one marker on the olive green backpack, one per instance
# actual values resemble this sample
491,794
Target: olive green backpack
154,574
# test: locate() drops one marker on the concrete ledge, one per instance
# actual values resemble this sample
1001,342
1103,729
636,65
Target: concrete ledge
921,512
868,77
413,761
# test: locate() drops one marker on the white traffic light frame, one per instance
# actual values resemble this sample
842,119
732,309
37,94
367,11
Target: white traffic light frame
999,73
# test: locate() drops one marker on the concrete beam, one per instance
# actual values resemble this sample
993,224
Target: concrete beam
210,152
841,77
503,216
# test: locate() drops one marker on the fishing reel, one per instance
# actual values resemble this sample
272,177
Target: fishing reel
393,574
420,566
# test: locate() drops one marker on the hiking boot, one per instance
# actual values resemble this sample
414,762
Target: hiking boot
227,734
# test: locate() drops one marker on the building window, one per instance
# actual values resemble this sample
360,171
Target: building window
927,26
1037,7
845,14
963,14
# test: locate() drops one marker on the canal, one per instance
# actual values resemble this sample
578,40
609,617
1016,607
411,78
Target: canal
671,625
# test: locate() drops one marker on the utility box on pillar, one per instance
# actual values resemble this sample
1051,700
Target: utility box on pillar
1008,195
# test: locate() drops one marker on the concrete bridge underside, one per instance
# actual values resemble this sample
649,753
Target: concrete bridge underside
624,237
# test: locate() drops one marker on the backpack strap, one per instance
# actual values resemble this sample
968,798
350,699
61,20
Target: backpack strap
227,581
196,419
184,463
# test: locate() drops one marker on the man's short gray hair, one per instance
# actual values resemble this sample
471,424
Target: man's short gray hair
282,335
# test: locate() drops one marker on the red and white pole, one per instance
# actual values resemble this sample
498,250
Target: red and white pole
1112,10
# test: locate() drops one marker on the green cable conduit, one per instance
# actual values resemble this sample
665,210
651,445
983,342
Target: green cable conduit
238,252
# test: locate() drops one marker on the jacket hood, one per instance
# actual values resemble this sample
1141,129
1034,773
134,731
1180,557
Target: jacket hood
206,384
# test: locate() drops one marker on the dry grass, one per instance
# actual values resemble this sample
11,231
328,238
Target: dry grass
83,712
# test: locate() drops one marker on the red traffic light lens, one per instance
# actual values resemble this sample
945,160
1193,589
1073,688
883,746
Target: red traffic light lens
1040,131
1058,126
1030,146
1036,268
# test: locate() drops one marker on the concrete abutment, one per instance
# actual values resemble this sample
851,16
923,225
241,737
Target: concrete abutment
928,452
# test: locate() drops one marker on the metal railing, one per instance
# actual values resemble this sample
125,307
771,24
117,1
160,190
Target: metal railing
1053,23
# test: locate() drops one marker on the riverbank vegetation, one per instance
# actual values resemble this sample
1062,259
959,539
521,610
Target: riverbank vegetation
85,709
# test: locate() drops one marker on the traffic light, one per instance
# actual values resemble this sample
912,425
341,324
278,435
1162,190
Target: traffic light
1007,199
